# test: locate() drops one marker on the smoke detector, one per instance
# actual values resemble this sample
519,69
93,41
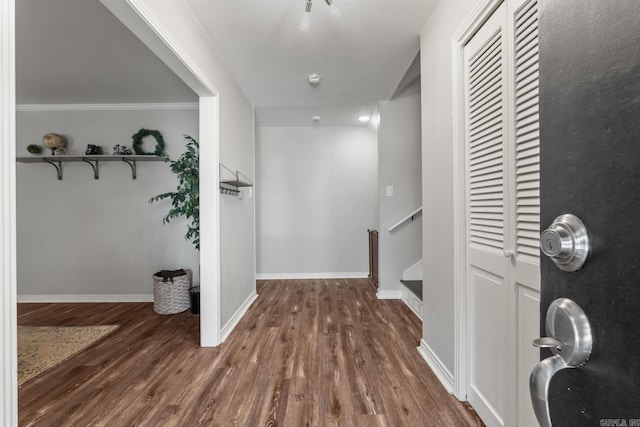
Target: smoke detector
314,79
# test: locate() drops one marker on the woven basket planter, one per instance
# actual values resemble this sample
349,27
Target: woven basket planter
171,291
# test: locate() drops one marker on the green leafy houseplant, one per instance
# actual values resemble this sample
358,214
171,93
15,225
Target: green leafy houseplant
185,201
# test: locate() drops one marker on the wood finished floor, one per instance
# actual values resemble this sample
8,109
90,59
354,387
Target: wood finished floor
307,353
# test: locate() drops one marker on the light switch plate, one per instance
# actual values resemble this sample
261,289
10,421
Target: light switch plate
389,190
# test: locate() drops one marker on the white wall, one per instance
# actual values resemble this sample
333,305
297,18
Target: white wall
237,220
316,198
178,26
399,165
437,177
81,236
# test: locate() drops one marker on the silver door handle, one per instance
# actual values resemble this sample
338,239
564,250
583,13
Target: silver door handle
566,242
539,386
570,340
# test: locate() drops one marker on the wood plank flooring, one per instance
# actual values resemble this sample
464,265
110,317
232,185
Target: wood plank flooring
308,353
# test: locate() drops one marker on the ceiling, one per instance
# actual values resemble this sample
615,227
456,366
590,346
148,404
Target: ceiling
361,56
75,51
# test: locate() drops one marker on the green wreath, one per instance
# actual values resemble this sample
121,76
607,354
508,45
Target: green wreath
137,142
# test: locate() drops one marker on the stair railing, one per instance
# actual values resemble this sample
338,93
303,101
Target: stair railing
412,216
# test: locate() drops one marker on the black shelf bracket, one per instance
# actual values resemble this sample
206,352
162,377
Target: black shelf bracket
95,164
132,165
57,165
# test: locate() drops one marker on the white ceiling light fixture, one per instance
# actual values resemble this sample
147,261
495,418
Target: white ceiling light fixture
364,119
315,120
334,10
305,20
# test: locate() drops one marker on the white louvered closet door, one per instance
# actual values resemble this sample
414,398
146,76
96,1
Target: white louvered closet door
487,190
525,208
502,176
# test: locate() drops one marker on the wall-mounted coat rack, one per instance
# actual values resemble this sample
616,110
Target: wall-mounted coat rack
231,186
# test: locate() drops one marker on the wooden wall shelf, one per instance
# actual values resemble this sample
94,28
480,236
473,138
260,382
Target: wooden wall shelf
93,160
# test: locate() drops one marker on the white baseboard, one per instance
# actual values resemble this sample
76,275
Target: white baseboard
303,276
385,294
436,365
85,298
226,330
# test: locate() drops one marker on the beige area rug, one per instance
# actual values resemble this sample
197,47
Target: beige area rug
43,347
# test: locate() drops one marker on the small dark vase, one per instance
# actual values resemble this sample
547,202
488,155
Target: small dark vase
194,295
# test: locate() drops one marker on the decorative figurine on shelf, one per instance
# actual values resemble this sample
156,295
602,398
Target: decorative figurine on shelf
34,149
121,150
62,151
53,141
93,149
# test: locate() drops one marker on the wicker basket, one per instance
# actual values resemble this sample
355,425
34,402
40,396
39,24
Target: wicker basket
171,291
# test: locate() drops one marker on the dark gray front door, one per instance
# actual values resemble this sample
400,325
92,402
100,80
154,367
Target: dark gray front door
590,167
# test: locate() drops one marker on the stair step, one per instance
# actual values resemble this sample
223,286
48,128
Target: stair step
414,286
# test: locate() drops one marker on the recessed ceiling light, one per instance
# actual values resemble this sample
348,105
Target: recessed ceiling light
364,118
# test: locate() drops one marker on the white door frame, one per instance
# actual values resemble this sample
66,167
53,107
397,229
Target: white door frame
135,16
8,313
476,19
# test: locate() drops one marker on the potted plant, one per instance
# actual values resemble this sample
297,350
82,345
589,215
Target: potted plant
185,200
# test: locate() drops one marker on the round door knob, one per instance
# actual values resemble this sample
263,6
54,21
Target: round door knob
566,242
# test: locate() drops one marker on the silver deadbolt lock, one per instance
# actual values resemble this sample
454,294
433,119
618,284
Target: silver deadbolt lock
570,341
566,242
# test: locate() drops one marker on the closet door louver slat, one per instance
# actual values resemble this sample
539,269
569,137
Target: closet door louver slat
527,134
485,146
